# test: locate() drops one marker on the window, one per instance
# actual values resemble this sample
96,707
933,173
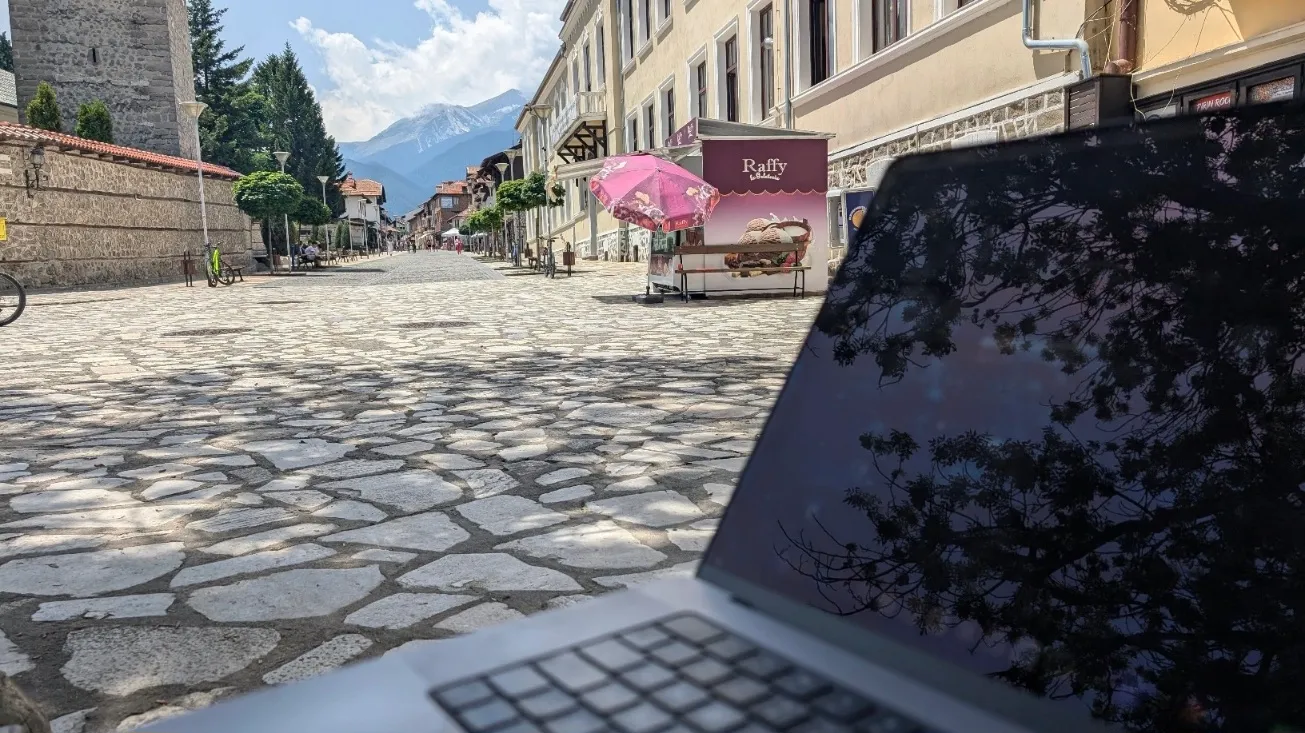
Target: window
587,60
650,123
627,18
889,23
632,134
819,48
447,202
732,79
766,52
582,194
668,110
602,54
575,75
666,9
700,86
645,13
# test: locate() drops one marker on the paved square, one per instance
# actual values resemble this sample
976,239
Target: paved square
247,486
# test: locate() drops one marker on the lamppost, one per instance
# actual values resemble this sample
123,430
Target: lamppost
323,180
194,110
502,178
281,158
512,155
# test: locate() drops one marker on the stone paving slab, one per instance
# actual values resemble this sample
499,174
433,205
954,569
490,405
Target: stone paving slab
252,485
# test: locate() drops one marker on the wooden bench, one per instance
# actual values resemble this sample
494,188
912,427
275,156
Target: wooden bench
799,272
237,270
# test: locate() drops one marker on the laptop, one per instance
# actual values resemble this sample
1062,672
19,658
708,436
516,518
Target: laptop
1035,468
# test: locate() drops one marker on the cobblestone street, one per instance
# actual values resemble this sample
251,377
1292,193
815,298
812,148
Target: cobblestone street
207,491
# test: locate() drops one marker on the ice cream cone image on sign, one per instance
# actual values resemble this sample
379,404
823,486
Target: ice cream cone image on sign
858,216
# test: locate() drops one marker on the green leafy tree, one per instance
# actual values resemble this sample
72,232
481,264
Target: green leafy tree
231,128
43,110
6,53
267,195
94,122
312,212
293,122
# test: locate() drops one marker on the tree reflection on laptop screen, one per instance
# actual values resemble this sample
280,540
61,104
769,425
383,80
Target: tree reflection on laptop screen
1050,424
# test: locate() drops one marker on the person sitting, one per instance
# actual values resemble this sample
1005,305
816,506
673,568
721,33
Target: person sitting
312,255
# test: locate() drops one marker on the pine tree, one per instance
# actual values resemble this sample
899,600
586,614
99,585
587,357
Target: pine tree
94,122
230,130
294,123
6,53
43,111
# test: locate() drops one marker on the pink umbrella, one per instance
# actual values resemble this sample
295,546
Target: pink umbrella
655,194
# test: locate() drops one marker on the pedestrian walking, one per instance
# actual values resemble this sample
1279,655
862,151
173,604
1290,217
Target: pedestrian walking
458,246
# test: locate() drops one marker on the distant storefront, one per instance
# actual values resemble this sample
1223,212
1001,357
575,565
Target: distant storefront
1276,82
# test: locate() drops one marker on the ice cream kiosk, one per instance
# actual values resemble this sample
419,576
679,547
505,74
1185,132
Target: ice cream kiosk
770,231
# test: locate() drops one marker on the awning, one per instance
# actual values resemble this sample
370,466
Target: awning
452,233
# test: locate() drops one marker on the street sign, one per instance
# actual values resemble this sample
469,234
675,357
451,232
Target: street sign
4,230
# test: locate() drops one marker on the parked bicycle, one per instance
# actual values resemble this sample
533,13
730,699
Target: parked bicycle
13,299
216,270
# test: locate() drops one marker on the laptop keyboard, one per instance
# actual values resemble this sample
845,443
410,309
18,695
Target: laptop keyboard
680,675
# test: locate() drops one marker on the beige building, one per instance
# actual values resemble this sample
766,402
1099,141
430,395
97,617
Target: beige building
885,78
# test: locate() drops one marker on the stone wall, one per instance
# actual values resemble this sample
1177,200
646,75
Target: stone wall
1039,114
128,53
96,222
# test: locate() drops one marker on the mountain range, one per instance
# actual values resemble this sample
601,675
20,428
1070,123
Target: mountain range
415,154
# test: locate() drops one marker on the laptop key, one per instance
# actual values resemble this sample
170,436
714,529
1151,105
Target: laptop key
692,628
610,698
643,718
716,717
518,683
648,677
888,723
521,726
706,671
763,665
675,654
547,704
781,712
801,684
822,725
464,695
680,697
842,705
612,655
741,691
730,648
487,716
572,673
646,638
581,721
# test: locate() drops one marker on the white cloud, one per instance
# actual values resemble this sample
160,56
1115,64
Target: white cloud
465,60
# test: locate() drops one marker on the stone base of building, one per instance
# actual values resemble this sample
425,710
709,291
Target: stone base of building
1037,114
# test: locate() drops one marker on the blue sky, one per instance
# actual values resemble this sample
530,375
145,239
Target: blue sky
372,63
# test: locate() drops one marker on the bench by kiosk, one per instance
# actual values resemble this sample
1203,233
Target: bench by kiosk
771,226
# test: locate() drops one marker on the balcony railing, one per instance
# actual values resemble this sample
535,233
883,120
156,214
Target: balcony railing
584,107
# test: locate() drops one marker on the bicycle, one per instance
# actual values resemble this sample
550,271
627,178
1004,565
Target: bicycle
550,262
13,299
216,271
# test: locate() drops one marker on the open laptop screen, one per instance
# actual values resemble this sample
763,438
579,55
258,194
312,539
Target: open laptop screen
1050,424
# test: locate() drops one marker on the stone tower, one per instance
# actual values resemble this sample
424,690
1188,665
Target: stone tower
133,54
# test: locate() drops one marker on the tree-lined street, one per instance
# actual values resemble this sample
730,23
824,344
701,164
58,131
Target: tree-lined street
211,491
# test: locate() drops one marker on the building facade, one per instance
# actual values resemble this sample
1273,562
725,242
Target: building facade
885,78
364,200
84,213
132,54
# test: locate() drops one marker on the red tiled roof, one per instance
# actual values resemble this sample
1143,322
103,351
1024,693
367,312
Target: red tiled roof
351,186
15,131
451,188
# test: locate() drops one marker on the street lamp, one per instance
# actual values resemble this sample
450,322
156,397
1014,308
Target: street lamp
502,178
194,110
281,158
512,159
323,180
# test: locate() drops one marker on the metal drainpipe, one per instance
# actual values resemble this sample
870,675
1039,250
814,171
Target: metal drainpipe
1066,44
788,64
